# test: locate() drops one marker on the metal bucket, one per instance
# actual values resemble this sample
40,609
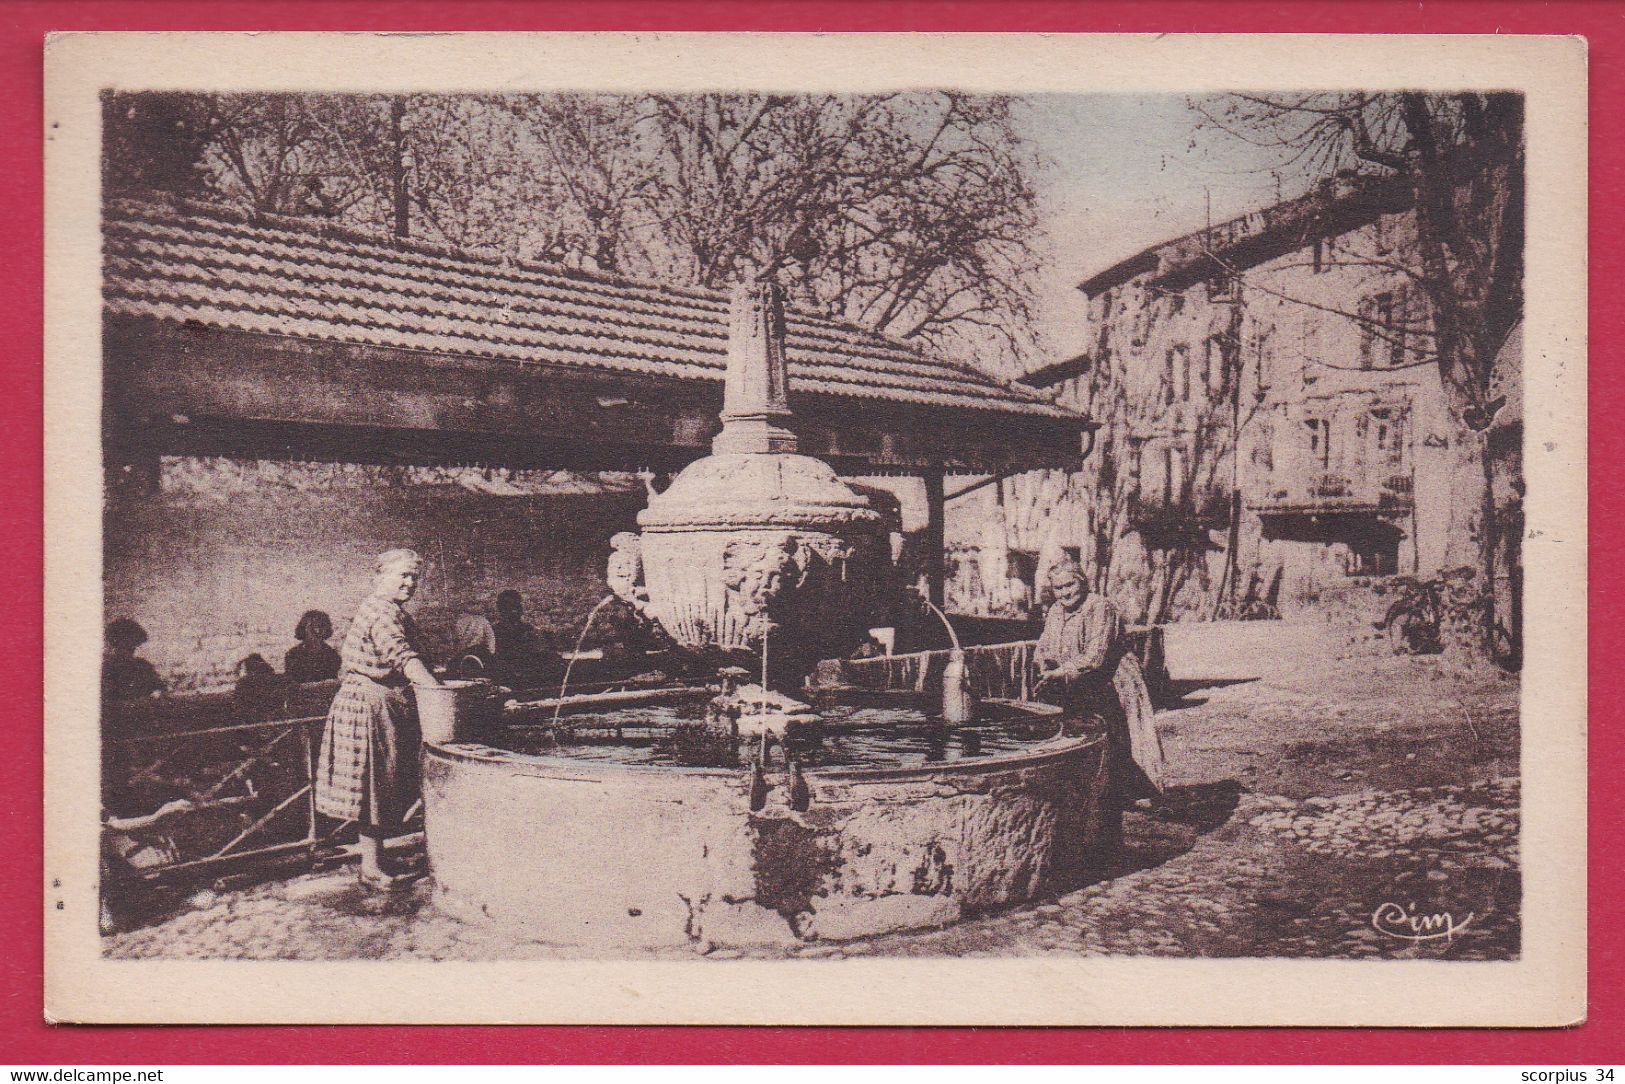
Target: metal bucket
455,710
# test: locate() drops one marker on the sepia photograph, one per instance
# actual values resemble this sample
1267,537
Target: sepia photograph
809,526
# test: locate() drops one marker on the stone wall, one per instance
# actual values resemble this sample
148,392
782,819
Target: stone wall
226,555
1002,538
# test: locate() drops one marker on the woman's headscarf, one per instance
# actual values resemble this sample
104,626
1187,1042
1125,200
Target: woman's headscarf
474,633
1062,571
392,560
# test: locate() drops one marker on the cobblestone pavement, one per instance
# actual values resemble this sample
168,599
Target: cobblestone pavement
1282,877
1337,813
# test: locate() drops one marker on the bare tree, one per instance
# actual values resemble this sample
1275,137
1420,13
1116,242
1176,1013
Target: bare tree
1462,158
599,172
444,168
159,141
265,156
911,214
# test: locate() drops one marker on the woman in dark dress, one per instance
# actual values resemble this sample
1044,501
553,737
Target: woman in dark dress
1085,665
312,658
368,768
124,675
523,657
1076,656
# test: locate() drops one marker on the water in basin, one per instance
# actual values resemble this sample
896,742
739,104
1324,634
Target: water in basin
849,736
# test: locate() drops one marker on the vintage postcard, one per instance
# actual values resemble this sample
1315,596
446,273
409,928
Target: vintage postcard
918,529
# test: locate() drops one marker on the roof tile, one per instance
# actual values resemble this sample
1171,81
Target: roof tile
178,262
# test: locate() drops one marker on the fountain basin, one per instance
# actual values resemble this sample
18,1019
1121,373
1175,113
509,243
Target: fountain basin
582,852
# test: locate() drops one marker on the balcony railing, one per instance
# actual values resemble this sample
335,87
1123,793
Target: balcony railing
1331,487
1395,491
1201,509
1334,492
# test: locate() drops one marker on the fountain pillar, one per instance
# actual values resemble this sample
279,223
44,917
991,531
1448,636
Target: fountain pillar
755,394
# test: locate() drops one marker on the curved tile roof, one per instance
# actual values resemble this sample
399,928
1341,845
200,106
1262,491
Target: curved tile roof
180,261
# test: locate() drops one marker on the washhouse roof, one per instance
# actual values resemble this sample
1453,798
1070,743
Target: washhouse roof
204,265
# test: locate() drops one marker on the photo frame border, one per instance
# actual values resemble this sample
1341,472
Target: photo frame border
798,964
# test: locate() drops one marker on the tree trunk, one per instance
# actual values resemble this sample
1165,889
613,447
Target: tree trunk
1468,625
1488,545
398,195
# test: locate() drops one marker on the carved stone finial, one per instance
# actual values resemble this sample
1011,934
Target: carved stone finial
755,396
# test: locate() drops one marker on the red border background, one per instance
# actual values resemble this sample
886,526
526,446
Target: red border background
24,1038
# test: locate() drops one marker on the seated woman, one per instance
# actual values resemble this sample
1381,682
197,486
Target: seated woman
124,676
368,767
474,647
261,693
312,658
523,656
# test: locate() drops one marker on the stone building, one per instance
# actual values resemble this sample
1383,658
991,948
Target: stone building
1274,436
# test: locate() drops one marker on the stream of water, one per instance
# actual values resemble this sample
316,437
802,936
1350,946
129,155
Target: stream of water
570,665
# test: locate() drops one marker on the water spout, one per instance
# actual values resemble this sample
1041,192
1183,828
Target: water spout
568,666
958,703
762,706
953,637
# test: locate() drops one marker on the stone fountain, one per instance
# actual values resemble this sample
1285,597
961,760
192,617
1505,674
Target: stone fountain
583,833
757,546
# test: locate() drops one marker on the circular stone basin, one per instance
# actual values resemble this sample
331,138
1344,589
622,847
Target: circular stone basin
604,836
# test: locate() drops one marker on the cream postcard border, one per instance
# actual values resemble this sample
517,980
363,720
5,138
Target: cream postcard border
1545,986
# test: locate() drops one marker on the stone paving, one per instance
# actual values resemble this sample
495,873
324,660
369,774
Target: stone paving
1378,825
1283,877
1334,814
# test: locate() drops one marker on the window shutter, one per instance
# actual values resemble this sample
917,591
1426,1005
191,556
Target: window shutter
1263,450
1401,324
1368,334
1355,452
1153,472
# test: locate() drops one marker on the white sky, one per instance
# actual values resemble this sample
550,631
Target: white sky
1129,171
